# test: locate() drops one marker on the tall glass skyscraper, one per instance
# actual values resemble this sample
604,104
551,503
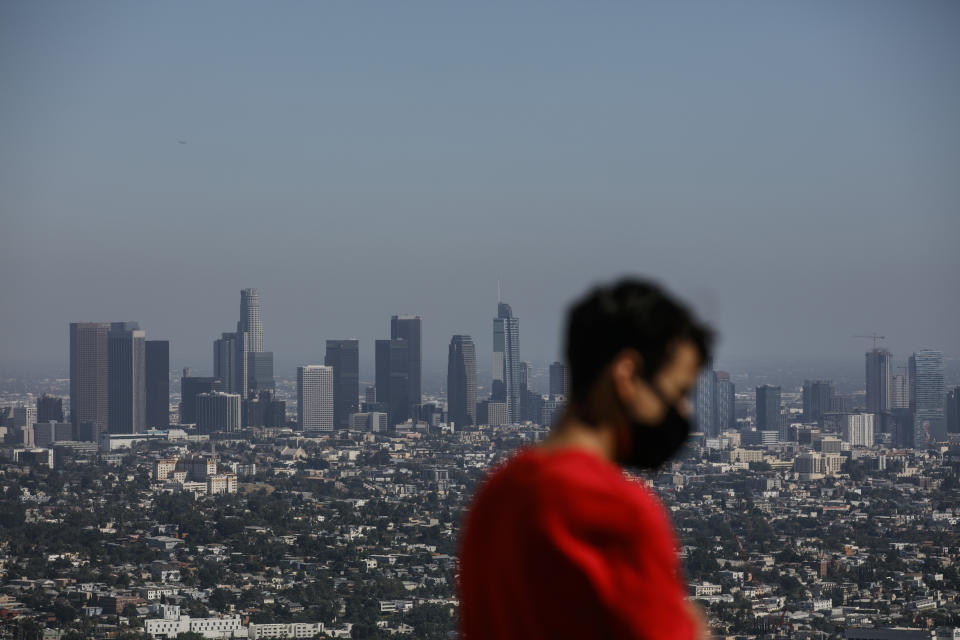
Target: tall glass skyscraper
816,399
392,378
705,403
927,397
878,363
768,407
408,329
462,381
126,379
344,357
726,402
250,318
506,361
158,384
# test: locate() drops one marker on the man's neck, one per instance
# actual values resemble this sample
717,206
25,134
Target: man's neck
573,433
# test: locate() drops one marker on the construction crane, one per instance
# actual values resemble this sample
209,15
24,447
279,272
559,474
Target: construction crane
873,336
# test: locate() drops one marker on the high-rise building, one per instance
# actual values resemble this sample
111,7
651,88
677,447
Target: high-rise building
726,402
816,399
506,361
225,361
250,319
260,371
217,411
241,359
899,391
315,398
89,362
878,363
768,408
49,408
953,410
190,388
392,378
158,384
126,378
559,380
344,357
705,403
408,328
927,397
462,381
858,429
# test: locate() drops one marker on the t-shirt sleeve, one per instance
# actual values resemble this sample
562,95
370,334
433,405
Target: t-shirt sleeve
626,552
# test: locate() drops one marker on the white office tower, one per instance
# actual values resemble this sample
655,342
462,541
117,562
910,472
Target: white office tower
858,429
315,398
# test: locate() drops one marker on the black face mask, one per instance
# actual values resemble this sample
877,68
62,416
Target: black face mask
652,445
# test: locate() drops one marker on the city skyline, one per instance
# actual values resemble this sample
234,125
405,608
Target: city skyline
763,164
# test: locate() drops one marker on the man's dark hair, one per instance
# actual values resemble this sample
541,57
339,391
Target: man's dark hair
630,313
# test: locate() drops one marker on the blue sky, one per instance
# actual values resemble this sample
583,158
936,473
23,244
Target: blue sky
791,169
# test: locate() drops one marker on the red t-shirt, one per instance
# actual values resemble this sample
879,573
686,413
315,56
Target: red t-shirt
561,544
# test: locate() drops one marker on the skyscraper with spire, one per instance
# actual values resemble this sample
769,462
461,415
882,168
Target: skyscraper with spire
238,357
506,361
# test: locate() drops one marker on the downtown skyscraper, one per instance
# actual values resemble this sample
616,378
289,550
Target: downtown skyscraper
817,395
239,360
462,381
158,384
409,329
126,378
768,407
315,398
89,362
506,361
927,397
344,357
392,378
878,363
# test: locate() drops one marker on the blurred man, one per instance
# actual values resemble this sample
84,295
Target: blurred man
559,543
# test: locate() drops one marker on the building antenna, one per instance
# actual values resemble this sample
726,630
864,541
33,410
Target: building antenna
873,336
499,299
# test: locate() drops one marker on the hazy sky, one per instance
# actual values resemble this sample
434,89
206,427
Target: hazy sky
793,169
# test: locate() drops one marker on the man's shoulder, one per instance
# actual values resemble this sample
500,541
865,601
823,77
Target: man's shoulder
568,484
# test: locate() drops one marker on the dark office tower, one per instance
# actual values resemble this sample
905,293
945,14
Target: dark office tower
953,410
260,368
126,379
768,408
506,361
878,380
49,408
462,381
344,357
224,361
158,384
726,402
816,399
250,319
705,398
89,362
408,328
927,398
190,388
392,361
241,382
559,380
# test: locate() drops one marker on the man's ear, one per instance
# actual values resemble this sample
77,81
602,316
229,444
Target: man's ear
624,369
